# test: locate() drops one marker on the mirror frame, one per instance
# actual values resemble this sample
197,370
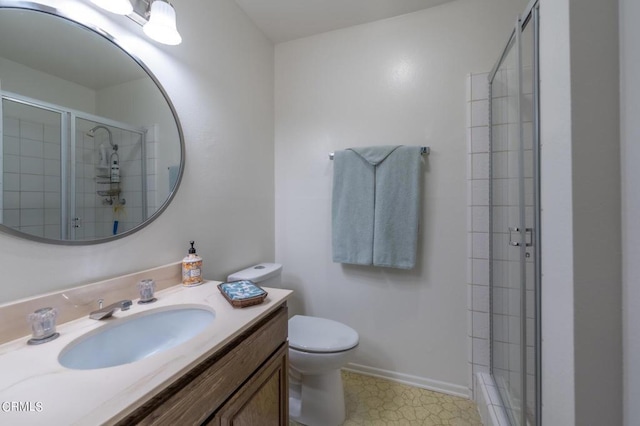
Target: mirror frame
41,8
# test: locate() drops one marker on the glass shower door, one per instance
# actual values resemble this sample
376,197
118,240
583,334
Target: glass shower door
530,201
106,204
506,278
514,226
56,178
31,173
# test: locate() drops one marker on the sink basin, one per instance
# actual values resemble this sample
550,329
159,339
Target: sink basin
131,339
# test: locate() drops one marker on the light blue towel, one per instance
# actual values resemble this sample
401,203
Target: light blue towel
376,206
397,209
352,209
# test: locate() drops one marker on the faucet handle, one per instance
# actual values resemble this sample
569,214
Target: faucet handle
100,303
43,325
146,288
125,305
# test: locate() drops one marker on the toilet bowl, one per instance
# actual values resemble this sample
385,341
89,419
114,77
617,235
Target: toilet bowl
318,349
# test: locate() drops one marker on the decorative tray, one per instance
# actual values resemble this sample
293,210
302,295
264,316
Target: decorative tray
242,293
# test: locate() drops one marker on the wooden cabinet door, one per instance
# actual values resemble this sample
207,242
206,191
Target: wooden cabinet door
263,400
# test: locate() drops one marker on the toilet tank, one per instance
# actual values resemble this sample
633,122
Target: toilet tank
263,274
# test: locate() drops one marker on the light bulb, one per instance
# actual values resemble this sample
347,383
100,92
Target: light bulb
162,24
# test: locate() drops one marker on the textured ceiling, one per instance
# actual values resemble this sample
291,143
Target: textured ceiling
284,20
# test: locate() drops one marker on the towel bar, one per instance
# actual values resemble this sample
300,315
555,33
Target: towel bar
424,150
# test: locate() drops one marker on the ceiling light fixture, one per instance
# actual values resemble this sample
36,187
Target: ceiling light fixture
162,23
157,17
119,7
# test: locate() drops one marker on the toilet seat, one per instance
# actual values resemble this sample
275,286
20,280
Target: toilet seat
320,335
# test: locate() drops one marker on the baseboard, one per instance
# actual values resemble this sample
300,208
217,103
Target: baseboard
407,379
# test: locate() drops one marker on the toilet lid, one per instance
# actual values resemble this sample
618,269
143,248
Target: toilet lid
312,334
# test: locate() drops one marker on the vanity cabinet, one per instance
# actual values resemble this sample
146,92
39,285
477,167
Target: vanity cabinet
245,383
262,401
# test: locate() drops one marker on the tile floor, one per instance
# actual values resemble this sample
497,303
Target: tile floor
372,401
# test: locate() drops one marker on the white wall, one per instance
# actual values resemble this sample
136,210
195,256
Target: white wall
221,81
397,81
596,206
581,282
26,81
630,157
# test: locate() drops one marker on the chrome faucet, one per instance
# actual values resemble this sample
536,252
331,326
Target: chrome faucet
107,311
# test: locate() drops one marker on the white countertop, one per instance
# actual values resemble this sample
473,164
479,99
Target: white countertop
55,395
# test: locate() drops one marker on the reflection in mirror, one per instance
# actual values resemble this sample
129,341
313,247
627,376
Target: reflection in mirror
91,148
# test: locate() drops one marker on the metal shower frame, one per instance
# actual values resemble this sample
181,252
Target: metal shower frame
531,15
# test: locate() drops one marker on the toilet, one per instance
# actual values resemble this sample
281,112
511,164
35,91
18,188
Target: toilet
318,349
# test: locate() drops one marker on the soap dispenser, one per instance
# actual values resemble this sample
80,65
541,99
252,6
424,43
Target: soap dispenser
192,268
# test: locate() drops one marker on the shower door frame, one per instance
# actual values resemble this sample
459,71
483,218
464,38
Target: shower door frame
529,17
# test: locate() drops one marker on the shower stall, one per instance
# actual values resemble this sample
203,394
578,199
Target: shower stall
514,224
67,174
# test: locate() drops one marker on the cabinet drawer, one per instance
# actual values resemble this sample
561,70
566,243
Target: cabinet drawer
199,393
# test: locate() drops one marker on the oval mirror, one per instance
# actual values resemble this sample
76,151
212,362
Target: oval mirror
92,149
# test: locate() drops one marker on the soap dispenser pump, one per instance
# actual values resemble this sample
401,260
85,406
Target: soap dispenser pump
192,268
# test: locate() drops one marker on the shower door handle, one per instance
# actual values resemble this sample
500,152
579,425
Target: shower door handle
527,232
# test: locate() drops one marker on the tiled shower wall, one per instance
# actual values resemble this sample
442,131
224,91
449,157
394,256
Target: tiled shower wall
478,224
482,387
131,167
31,174
151,142
98,216
88,205
30,178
